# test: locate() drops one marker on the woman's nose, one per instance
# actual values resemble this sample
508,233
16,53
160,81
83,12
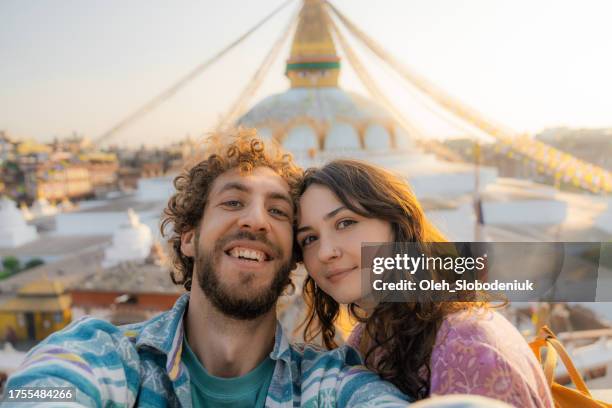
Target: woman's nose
328,250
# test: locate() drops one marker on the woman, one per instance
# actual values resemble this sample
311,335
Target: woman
424,347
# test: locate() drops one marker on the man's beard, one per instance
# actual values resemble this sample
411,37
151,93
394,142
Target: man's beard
221,296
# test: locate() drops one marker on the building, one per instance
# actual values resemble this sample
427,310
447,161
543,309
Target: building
40,308
126,293
103,171
56,181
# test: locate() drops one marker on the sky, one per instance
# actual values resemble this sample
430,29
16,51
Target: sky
81,66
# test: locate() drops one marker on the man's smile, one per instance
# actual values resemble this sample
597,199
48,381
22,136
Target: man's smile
250,250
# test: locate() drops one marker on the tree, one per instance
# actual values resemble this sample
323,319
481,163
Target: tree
11,265
34,262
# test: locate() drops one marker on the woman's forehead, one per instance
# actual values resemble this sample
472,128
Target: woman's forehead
318,202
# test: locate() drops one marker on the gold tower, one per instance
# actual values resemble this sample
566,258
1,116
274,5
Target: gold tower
313,62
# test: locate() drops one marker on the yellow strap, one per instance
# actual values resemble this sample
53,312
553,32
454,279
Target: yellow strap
569,365
556,348
536,346
550,364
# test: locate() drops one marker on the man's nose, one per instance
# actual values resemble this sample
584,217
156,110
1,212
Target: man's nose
255,218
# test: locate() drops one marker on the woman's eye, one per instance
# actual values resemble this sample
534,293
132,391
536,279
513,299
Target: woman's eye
308,240
345,223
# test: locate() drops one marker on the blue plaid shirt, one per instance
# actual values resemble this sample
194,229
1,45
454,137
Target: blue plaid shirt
140,365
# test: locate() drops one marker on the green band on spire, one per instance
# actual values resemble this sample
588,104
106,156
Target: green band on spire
299,66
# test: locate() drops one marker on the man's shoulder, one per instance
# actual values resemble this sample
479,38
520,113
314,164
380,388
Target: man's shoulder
90,343
90,331
92,355
86,330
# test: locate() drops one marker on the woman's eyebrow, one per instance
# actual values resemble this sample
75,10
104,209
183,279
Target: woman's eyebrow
334,212
302,229
325,217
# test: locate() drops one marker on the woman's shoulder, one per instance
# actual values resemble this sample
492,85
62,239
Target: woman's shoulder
478,325
481,332
481,351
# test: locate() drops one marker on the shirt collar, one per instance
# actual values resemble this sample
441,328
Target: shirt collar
281,350
165,333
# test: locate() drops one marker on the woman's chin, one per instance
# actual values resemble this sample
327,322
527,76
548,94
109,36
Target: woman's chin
345,297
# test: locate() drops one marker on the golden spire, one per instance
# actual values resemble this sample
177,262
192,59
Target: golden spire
313,62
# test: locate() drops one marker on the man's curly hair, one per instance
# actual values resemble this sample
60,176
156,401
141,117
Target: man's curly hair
238,148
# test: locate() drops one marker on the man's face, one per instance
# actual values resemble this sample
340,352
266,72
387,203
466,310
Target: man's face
243,248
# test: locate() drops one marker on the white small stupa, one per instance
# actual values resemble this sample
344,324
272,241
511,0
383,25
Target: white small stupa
25,211
131,242
42,208
66,205
14,231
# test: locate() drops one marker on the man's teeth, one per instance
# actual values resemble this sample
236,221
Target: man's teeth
251,254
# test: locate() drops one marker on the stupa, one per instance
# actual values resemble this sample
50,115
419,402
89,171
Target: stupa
66,205
25,211
42,208
14,231
315,113
131,242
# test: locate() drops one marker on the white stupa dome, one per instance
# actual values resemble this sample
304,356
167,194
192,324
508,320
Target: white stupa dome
131,242
14,231
327,118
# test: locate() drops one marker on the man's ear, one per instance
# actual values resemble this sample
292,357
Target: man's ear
188,243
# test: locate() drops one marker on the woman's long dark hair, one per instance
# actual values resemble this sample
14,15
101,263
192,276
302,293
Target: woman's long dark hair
400,335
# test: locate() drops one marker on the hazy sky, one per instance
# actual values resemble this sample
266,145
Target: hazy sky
83,65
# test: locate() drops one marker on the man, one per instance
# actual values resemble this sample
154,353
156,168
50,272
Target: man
230,225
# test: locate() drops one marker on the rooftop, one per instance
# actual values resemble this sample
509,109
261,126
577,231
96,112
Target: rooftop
129,277
51,245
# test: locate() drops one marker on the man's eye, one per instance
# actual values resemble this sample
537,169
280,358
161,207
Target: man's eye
276,211
342,224
232,204
308,240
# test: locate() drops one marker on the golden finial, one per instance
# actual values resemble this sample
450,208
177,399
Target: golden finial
313,61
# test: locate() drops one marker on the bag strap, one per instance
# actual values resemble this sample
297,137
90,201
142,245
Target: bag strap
550,364
556,349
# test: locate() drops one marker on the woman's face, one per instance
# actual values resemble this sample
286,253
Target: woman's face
330,236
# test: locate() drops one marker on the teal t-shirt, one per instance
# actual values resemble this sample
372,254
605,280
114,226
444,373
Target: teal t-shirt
250,390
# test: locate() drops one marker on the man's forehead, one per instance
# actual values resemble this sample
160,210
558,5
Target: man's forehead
261,178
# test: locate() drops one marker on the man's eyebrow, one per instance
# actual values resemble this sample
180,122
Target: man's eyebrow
275,195
234,185
325,217
280,196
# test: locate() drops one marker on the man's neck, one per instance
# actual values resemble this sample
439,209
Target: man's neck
227,347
